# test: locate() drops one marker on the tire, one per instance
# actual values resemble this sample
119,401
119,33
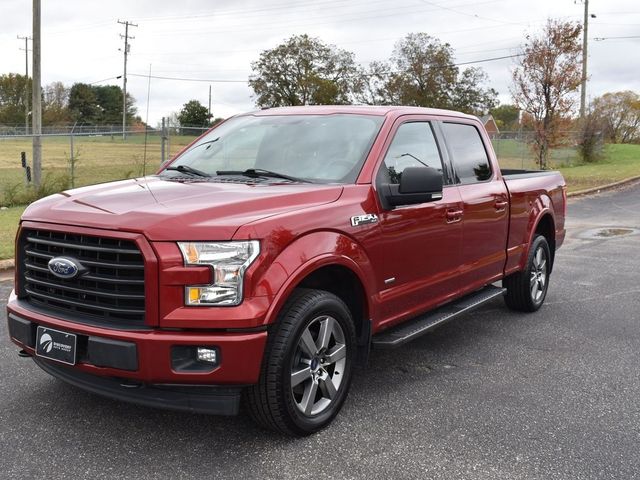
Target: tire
527,290
307,366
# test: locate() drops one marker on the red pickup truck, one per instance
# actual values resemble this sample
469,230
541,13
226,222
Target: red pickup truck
272,253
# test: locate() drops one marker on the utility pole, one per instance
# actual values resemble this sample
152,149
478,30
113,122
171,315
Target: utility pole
26,82
126,37
585,32
36,111
209,103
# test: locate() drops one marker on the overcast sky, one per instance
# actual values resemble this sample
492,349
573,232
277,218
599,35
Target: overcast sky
217,40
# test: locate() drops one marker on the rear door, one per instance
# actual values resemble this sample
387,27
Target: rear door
418,253
485,215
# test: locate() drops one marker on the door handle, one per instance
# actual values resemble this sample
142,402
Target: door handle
454,216
501,205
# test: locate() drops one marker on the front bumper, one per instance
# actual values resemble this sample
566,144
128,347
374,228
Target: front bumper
213,400
107,359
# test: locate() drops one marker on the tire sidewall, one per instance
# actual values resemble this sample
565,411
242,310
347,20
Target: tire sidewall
539,242
332,306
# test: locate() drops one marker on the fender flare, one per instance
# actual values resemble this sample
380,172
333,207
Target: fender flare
320,249
535,219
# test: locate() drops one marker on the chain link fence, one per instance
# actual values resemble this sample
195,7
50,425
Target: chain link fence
514,150
74,157
85,155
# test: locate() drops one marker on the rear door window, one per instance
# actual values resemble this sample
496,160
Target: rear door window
470,159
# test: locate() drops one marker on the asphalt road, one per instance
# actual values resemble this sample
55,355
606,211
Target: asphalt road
495,394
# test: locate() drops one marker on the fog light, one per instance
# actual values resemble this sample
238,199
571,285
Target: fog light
207,355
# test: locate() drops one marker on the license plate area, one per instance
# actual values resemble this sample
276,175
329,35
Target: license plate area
56,345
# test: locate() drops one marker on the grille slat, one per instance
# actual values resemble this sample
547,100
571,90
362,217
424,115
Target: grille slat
111,291
84,247
79,304
80,290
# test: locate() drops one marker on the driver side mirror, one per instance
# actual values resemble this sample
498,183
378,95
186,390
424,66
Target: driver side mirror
417,185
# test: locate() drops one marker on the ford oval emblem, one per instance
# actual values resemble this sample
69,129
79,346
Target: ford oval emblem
64,267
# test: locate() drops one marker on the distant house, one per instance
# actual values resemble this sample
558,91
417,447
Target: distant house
490,125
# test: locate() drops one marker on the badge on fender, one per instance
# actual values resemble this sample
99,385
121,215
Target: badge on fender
364,219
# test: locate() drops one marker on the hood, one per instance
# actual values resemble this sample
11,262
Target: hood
172,210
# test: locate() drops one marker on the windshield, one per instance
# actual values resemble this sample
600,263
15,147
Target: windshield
316,148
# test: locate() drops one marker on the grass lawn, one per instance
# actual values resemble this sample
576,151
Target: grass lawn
8,226
619,162
98,159
103,159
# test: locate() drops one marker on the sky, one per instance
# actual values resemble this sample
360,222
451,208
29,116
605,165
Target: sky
216,41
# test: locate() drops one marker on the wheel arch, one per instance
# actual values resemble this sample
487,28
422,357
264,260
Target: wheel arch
327,261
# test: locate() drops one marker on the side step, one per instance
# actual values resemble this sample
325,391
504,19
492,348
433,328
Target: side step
405,332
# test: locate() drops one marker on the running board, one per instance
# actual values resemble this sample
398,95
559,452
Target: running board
405,332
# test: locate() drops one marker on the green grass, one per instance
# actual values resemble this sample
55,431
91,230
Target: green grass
98,159
619,162
8,226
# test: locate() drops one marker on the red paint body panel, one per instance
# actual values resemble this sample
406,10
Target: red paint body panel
413,259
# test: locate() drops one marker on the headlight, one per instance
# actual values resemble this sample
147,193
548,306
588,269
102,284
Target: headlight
228,260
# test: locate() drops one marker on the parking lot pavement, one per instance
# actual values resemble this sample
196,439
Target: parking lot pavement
495,394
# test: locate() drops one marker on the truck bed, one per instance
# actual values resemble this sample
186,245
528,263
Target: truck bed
532,191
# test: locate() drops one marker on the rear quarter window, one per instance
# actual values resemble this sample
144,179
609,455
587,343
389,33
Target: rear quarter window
470,158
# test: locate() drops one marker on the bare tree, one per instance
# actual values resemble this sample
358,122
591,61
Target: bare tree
545,80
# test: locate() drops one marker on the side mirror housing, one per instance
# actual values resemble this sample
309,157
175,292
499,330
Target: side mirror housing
417,185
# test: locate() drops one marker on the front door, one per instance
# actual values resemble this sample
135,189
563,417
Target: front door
419,249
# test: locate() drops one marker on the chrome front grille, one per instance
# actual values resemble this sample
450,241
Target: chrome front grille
110,290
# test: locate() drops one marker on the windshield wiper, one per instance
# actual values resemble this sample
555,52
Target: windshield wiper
259,172
188,169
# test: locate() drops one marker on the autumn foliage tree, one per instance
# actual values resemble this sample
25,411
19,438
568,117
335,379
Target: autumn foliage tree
545,80
421,72
619,113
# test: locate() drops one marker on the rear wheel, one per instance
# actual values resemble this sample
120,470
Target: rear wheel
527,290
307,367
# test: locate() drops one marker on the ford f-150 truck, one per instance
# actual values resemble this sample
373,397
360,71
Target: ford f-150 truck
267,258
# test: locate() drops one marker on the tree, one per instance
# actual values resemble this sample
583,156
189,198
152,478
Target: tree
468,94
506,116
193,114
421,72
619,113
545,80
83,104
99,104
55,104
12,98
304,71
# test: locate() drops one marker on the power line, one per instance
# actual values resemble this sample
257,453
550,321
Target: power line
126,37
339,18
600,39
104,80
213,80
472,15
181,79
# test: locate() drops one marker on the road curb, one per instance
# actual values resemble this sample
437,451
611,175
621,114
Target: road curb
608,186
6,265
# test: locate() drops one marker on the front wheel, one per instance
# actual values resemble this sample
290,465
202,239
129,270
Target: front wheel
527,290
306,370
